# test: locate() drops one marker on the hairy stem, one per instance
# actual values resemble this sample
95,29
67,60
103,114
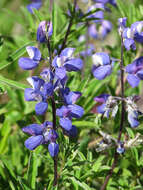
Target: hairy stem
68,29
122,118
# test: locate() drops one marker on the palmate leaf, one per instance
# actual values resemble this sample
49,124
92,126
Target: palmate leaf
15,55
13,83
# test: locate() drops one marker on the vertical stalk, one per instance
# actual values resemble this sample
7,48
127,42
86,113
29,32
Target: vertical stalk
55,159
122,117
68,29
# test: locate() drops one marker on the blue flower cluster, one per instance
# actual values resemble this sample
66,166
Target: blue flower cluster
51,80
131,34
100,27
102,67
109,104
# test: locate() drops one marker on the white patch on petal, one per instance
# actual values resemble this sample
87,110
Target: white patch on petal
30,51
139,27
60,61
31,81
130,33
97,60
70,52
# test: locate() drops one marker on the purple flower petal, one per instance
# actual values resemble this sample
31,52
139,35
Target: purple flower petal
138,37
66,123
67,52
72,97
44,28
74,64
60,72
101,98
133,121
29,94
32,142
140,74
129,43
92,31
48,89
50,136
101,108
100,59
122,22
53,149
27,63
133,80
36,82
47,74
41,108
33,129
63,111
102,72
34,53
34,5
76,111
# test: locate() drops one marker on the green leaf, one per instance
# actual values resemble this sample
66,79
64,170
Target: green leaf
122,8
13,83
54,21
98,163
81,184
84,124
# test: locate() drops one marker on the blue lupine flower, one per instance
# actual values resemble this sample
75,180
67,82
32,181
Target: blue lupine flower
104,28
108,104
47,75
53,149
101,65
135,72
66,113
41,134
133,33
39,93
36,4
92,31
65,62
32,62
44,31
120,148
101,99
68,96
122,24
132,112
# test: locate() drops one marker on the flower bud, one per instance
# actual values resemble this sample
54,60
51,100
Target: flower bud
44,31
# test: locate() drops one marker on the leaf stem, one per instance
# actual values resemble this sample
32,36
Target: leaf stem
122,117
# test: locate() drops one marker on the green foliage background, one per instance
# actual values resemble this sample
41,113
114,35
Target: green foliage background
79,167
